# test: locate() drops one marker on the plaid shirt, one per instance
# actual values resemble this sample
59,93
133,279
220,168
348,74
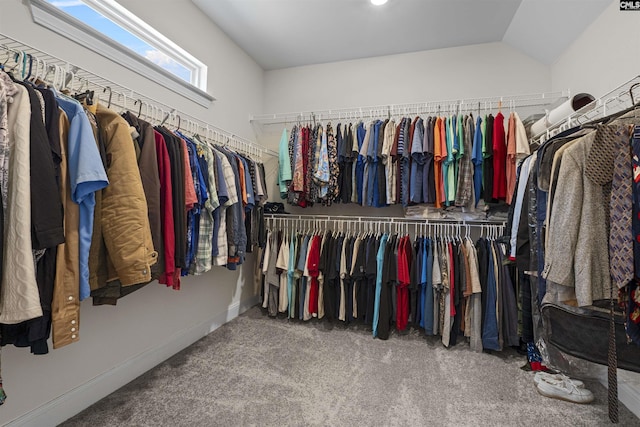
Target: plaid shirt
205,238
464,192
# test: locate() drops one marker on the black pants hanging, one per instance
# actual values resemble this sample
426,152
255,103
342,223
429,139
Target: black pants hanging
348,293
386,310
527,316
361,296
371,295
329,289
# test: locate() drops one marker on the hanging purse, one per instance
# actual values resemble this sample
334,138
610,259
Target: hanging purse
585,335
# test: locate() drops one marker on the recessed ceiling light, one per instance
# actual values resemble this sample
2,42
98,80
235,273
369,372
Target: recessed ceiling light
378,2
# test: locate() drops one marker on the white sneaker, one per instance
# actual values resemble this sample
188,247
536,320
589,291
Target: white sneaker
546,376
565,389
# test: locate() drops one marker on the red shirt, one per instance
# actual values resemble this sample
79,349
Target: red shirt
404,279
499,159
312,266
403,271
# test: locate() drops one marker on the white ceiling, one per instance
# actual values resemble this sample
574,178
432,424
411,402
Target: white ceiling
288,33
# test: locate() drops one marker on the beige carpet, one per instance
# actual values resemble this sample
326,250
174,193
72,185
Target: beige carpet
261,371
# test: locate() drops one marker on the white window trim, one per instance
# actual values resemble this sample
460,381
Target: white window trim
62,23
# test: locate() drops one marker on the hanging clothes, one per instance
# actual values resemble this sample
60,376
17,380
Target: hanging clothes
443,161
517,150
564,259
29,187
478,160
128,246
488,162
499,158
439,155
465,188
388,285
380,256
579,222
402,291
87,241
284,169
444,285
417,163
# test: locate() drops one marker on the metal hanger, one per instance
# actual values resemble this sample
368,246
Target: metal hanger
110,95
30,66
17,58
139,103
6,59
167,116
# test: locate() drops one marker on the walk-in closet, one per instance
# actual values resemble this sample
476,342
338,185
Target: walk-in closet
319,212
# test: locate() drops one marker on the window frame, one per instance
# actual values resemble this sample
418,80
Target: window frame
49,16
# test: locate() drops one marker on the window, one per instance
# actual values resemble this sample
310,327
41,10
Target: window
81,11
109,29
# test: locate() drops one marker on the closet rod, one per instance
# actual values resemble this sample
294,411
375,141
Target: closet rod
610,103
24,59
430,107
382,219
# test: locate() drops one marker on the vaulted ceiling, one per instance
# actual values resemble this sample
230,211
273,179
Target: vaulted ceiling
288,33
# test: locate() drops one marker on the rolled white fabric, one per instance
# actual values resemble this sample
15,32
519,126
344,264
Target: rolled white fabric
565,109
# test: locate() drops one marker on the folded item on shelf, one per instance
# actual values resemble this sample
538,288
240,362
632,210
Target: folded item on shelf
274,208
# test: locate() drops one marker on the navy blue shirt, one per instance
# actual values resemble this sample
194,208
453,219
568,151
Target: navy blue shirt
360,163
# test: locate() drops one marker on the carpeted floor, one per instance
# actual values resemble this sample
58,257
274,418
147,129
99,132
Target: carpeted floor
260,371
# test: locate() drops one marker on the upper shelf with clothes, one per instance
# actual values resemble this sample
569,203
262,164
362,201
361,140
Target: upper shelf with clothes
450,155
27,61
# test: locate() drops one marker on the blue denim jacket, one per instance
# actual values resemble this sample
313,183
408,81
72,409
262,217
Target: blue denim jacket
236,233
490,327
477,159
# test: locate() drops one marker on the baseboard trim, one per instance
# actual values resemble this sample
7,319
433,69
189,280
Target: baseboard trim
69,404
628,395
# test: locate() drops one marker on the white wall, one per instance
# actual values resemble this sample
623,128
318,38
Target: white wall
606,55
119,343
233,77
484,70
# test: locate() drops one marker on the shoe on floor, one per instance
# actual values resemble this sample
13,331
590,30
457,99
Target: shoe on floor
565,389
549,377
